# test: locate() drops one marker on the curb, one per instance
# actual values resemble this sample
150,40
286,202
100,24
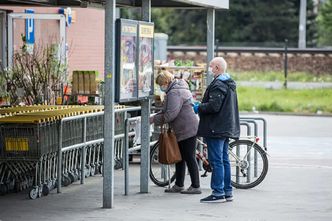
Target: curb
286,114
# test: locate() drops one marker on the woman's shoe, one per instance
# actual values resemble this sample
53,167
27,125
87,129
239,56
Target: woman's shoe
174,189
192,190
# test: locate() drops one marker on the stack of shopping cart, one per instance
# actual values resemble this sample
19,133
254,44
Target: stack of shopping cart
29,141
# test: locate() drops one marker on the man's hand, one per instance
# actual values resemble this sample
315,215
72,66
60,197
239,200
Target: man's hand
195,107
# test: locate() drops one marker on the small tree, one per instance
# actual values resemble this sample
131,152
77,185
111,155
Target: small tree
34,76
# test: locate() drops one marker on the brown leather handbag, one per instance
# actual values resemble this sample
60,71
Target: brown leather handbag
169,152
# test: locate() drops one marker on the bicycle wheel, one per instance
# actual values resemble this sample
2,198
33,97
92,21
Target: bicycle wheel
249,164
159,172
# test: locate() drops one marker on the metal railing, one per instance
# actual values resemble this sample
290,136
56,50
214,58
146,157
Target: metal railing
128,150
250,50
81,145
84,143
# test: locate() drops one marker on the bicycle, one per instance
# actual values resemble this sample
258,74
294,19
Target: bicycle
247,171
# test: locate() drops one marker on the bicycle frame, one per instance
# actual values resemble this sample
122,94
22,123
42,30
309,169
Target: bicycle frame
253,139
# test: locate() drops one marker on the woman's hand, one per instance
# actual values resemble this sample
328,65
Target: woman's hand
151,119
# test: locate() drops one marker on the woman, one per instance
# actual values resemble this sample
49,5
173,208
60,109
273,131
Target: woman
178,112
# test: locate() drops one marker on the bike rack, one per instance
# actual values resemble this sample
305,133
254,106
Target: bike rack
264,124
255,153
251,122
254,125
247,126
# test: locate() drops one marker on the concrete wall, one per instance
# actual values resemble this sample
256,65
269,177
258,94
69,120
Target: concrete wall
315,64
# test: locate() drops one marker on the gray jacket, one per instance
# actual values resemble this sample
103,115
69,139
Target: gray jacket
178,112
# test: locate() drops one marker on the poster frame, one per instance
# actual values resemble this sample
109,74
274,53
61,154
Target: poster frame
119,70
151,93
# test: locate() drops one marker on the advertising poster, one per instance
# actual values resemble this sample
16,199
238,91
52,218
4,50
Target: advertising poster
145,60
126,64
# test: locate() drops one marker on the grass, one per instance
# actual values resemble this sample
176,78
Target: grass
282,100
279,76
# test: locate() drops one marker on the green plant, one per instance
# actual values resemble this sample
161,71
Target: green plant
184,63
34,76
3,90
281,100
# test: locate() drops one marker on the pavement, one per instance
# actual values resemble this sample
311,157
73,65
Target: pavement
297,187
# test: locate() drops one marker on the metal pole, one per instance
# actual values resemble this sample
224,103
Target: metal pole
83,152
59,159
146,10
10,41
108,161
63,41
238,152
126,161
255,152
210,41
145,124
145,147
286,63
217,47
4,38
302,24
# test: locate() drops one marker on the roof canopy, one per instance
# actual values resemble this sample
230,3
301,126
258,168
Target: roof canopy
217,4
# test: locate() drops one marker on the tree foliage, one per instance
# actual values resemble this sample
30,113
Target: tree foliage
258,21
254,22
325,24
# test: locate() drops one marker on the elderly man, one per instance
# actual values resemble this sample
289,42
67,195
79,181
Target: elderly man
219,121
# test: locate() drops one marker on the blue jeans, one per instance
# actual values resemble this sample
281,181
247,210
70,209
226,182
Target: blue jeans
221,168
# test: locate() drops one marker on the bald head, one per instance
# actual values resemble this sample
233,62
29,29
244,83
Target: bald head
218,66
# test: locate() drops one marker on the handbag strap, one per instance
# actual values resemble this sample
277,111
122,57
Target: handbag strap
162,124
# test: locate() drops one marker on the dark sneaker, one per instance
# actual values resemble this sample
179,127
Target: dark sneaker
174,189
213,199
229,198
192,190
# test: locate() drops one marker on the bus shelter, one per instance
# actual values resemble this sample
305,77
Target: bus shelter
110,72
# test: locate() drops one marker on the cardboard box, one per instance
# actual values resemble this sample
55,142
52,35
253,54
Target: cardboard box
86,82
93,84
75,83
81,83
